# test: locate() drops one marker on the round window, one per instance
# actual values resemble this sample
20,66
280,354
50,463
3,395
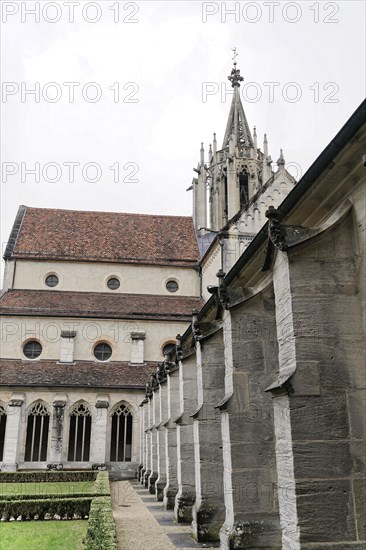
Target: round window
102,351
113,283
32,349
172,286
168,348
52,280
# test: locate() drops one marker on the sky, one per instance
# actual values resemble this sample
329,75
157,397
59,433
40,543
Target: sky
104,104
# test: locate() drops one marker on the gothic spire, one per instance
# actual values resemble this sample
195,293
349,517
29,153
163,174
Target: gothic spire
237,125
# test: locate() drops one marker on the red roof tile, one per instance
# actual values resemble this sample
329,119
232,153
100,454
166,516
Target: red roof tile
42,233
14,372
97,305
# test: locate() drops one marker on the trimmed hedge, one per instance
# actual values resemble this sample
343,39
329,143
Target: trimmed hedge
43,496
101,484
40,507
47,476
101,533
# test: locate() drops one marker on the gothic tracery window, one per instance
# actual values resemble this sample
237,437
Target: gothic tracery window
79,434
121,435
37,433
2,430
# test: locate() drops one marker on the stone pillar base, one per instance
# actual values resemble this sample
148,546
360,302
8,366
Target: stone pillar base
256,532
151,482
139,472
183,507
145,478
207,520
169,497
159,488
142,476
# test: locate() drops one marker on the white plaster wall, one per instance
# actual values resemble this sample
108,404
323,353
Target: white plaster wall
14,331
92,277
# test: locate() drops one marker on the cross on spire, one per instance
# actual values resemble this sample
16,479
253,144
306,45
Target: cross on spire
235,77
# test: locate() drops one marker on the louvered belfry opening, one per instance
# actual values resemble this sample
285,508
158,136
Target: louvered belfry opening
121,436
37,433
79,434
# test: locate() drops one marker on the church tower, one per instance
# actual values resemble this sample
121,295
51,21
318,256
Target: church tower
234,173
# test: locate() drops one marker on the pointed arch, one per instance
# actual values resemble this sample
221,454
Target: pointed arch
36,442
79,432
121,432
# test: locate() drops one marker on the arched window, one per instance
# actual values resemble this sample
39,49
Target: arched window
121,434
37,433
79,436
2,430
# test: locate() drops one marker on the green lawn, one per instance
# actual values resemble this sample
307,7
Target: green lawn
41,488
42,535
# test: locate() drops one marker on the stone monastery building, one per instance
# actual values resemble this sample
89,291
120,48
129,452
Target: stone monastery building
219,358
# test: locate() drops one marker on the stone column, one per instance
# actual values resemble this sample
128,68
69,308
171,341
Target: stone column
162,396
171,487
57,429
12,433
146,474
154,442
251,358
209,507
319,395
99,431
142,465
186,495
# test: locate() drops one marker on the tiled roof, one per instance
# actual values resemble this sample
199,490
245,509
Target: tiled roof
97,305
51,234
15,372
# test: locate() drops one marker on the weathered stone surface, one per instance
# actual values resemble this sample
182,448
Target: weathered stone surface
325,511
319,418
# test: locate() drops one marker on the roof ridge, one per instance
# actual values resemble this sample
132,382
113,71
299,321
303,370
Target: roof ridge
107,212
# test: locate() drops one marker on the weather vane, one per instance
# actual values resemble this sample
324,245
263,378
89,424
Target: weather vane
234,56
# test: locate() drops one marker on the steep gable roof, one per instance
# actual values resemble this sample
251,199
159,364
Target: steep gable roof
51,234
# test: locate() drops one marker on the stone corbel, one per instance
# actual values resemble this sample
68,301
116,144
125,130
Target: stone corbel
284,237
17,400
178,347
68,334
225,297
196,331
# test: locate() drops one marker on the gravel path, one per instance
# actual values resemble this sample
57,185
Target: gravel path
143,524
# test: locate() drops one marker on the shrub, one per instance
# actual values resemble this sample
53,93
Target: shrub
101,484
47,476
40,507
42,496
101,533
